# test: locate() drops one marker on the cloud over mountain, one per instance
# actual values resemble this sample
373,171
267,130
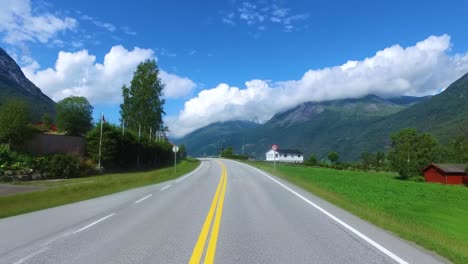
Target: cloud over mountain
422,69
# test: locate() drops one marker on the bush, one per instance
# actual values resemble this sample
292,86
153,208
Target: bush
126,152
63,166
87,167
417,179
234,156
312,161
25,167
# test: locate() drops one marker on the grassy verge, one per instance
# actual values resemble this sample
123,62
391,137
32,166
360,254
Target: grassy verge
74,190
432,215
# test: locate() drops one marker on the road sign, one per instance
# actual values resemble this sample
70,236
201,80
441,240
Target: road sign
274,147
175,149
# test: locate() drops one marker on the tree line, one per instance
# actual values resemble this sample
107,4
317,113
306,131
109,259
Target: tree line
140,141
410,152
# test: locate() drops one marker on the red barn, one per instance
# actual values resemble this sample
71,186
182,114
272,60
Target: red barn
446,173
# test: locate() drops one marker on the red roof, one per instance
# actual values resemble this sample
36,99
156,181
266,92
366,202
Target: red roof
52,127
447,168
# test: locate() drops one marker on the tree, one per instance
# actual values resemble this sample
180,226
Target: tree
333,157
143,101
74,115
46,120
111,144
460,149
379,159
368,159
411,152
14,120
182,154
312,161
228,152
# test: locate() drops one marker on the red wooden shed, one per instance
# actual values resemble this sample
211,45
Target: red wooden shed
446,173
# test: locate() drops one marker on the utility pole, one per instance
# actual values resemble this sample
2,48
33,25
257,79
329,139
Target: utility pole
100,142
139,147
243,146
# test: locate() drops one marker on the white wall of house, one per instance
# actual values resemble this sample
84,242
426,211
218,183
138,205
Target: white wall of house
270,155
284,157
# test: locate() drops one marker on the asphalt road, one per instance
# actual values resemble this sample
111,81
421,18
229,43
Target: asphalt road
224,212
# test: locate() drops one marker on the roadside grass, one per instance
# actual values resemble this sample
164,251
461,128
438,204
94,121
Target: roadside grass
434,216
74,190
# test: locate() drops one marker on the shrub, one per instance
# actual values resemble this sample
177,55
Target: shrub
63,166
125,152
417,179
87,167
312,161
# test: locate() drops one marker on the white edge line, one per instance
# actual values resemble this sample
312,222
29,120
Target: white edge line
336,219
31,255
165,187
144,198
190,174
93,223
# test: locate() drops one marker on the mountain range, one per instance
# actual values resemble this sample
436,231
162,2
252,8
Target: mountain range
348,126
13,84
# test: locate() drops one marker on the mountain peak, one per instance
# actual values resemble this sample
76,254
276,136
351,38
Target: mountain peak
13,83
11,72
365,107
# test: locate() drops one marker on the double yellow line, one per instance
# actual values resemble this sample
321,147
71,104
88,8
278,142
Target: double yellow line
217,204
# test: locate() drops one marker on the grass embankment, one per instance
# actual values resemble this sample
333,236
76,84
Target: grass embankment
74,190
432,215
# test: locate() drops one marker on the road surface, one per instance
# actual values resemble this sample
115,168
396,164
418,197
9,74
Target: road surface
224,212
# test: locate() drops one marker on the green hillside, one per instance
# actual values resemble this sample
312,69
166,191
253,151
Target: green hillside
210,139
444,115
349,126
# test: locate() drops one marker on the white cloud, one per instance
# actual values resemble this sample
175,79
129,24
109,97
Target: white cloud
19,24
105,25
418,70
176,86
262,13
78,73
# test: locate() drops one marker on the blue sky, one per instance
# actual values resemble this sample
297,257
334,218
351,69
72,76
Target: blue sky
210,49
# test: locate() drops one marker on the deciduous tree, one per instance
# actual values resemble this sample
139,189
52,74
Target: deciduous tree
411,152
333,157
143,101
74,115
14,120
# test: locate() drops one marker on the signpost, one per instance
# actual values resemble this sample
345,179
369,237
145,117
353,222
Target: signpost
175,149
274,148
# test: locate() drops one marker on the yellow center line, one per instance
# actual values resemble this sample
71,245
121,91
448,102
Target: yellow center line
217,204
210,253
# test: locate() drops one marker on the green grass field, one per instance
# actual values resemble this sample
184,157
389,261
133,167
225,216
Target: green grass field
432,215
74,190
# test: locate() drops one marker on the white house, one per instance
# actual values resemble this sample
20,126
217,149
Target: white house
285,155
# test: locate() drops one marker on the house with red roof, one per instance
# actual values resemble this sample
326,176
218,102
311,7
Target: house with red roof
446,173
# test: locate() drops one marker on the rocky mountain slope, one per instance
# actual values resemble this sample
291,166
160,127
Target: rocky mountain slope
311,127
13,84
